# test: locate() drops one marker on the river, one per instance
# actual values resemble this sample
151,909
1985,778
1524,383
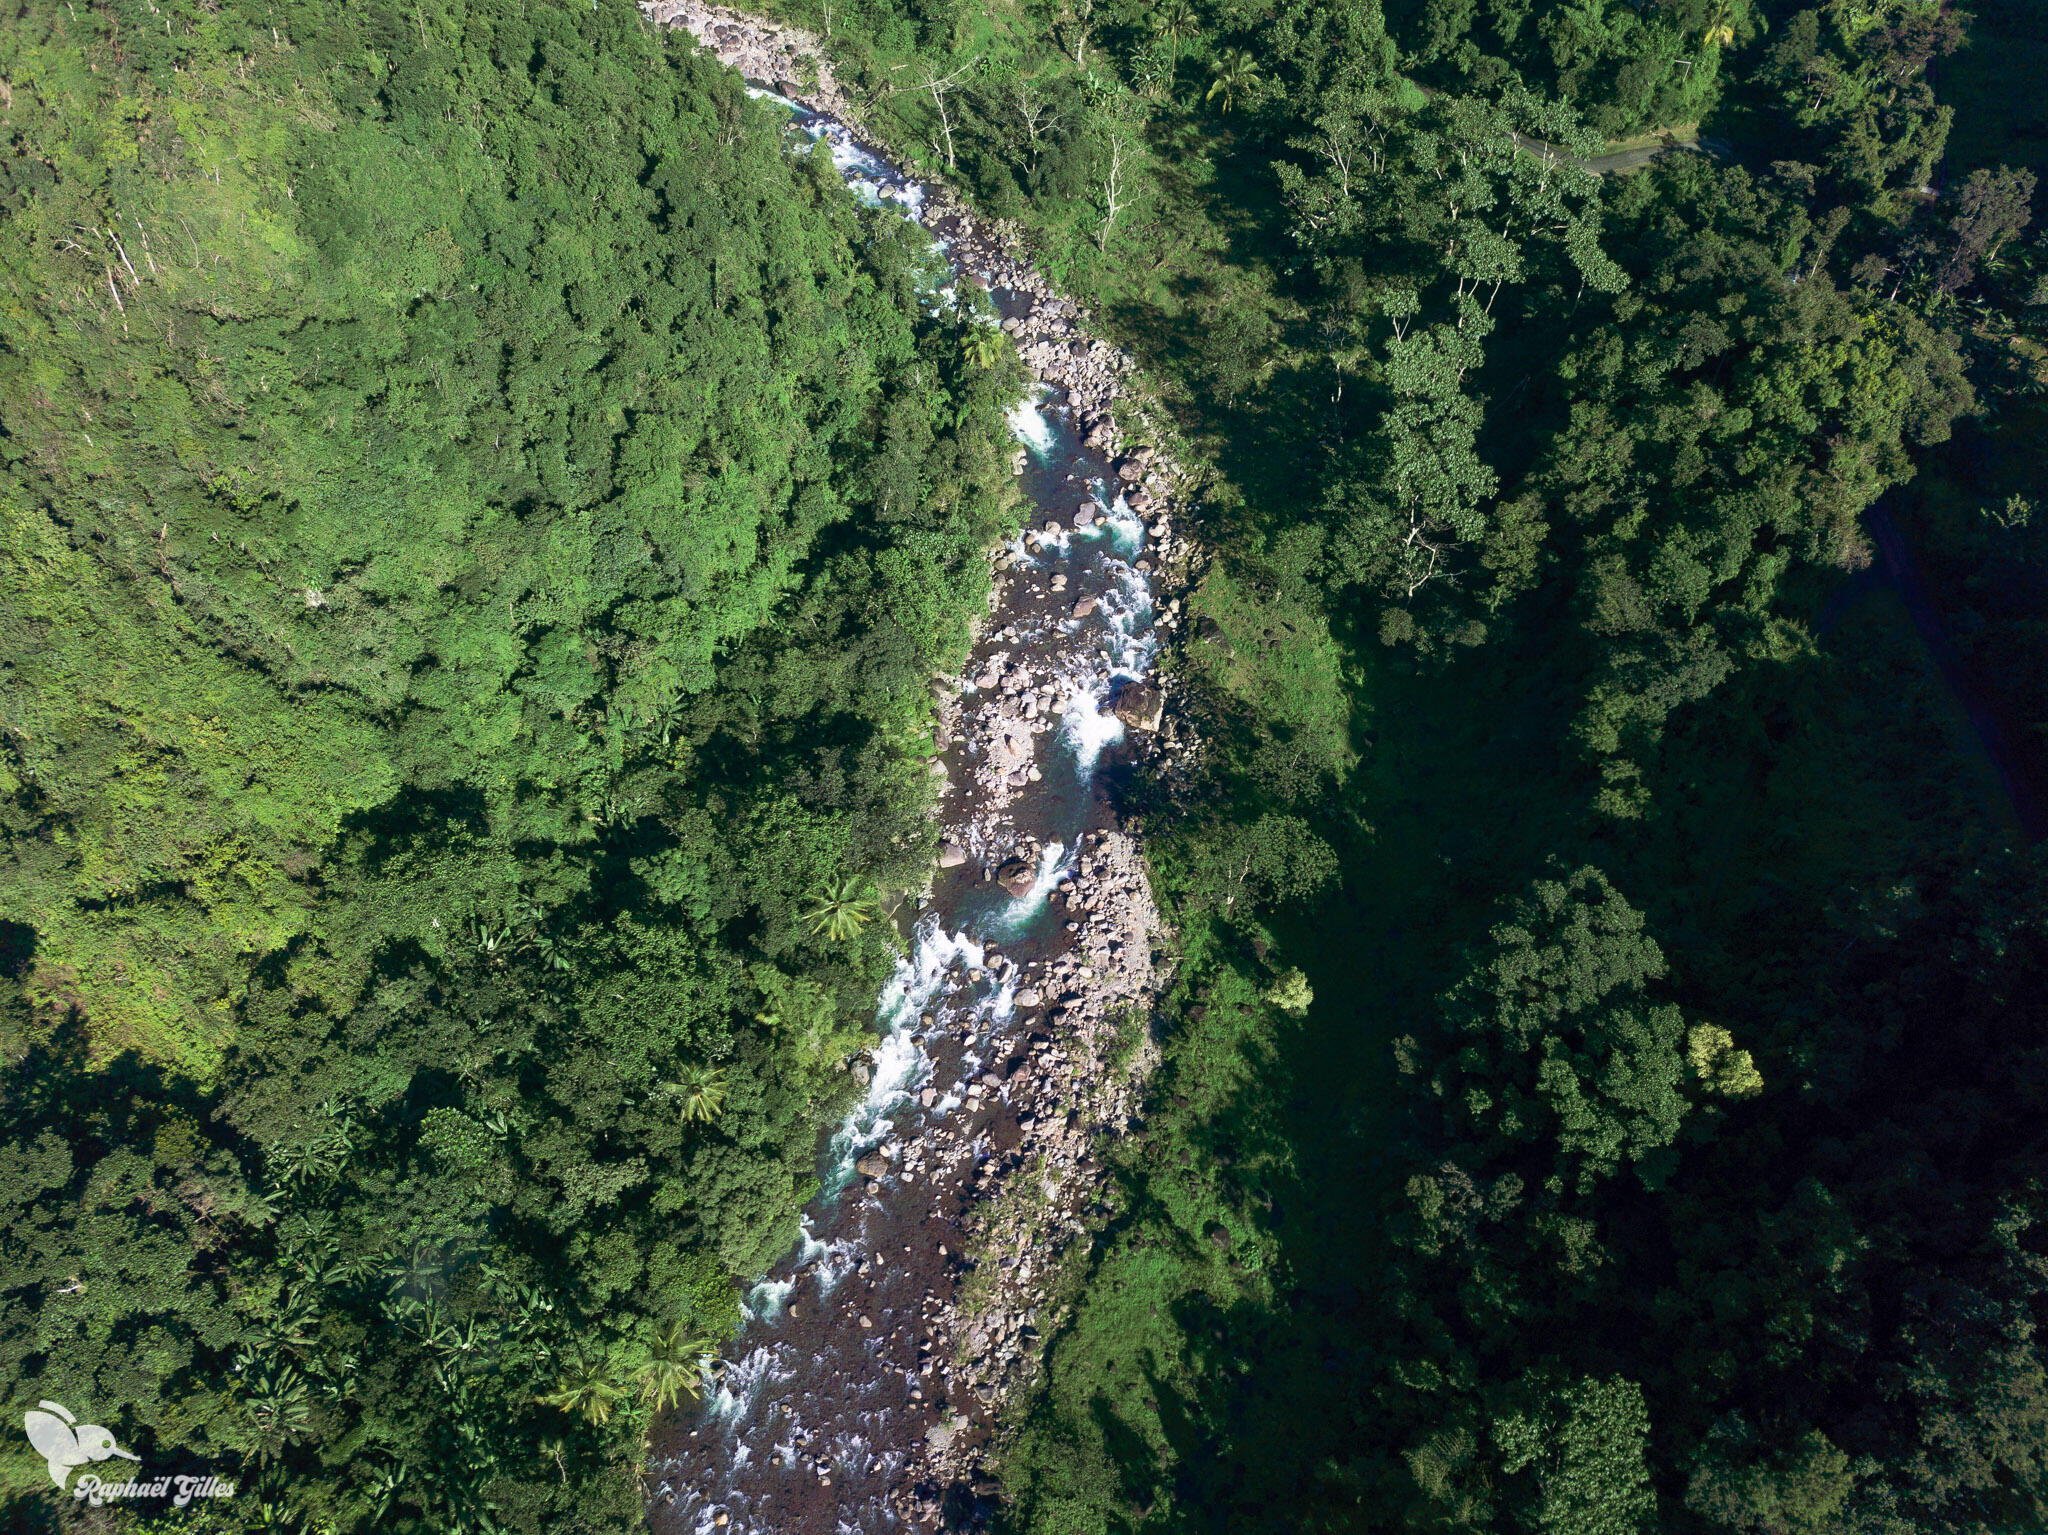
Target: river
855,1395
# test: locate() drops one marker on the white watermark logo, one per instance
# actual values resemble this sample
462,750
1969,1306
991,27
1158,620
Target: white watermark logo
66,1444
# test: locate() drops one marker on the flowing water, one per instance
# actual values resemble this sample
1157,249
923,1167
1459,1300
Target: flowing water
817,1417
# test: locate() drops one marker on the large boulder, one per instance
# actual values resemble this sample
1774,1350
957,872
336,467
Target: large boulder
1016,876
1140,706
951,854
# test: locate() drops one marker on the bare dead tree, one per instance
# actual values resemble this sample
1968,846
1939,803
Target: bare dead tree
1115,186
1033,107
939,87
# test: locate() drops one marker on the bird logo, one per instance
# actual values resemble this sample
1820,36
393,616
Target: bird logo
65,1446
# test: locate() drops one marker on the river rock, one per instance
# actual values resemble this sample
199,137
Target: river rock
1084,514
1086,606
1028,997
951,855
1140,706
1016,876
1130,470
873,1165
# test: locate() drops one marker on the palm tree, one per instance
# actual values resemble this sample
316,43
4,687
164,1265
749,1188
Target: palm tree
1236,72
1173,20
839,911
585,1388
277,1401
699,1093
675,1363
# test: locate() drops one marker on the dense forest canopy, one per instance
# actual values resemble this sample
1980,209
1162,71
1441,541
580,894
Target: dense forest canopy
1603,1089
481,521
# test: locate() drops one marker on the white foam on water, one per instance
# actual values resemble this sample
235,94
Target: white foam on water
765,1301
1126,527
740,1384
1127,617
901,1068
1088,729
1058,543
937,958
827,1262
1014,918
850,1452
1032,426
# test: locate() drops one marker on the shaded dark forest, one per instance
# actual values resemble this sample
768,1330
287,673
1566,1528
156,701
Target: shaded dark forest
1605,1088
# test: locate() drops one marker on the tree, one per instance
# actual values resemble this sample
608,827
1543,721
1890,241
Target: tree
1432,484
1173,20
839,910
585,1388
1122,155
1721,1068
699,1092
1557,1062
1586,1445
1234,76
1291,993
1077,17
675,1365
1033,105
938,86
984,346
1990,208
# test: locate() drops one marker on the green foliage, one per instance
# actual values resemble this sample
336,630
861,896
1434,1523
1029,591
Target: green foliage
1586,1447
1625,67
839,910
1540,505
480,518
673,1368
585,1388
1553,1045
1291,993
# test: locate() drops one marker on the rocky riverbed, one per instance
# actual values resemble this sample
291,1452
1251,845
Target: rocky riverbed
1015,1037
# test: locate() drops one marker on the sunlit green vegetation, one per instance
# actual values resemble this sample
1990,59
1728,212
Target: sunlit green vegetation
481,520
